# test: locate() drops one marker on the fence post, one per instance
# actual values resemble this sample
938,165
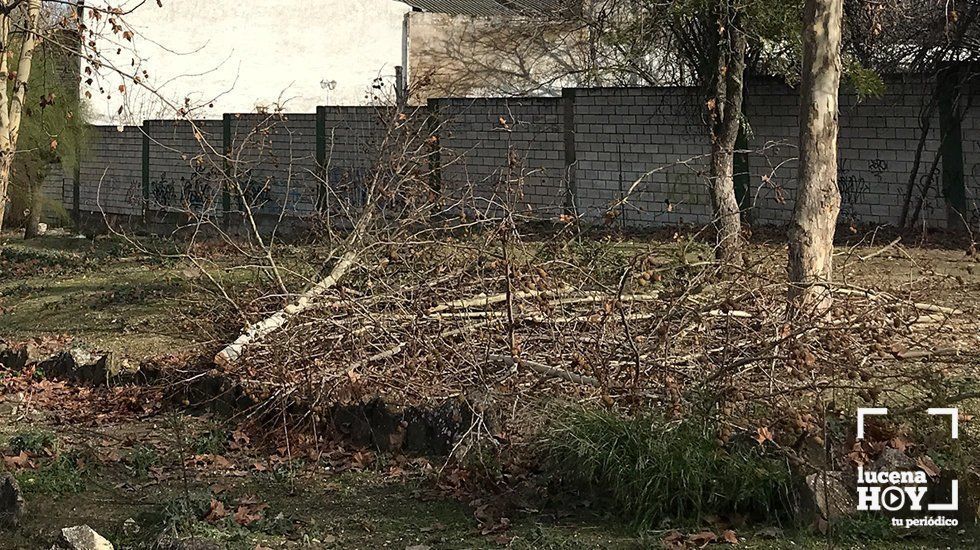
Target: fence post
322,189
435,156
226,163
401,90
76,190
146,173
742,171
568,128
951,147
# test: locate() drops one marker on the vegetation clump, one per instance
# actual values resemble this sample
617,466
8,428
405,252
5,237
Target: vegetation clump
654,470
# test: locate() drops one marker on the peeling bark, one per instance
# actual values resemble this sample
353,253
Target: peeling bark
811,233
12,102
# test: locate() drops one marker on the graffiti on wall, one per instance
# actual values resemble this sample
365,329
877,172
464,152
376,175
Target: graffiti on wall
855,185
197,193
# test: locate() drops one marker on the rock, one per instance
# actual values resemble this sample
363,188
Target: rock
893,460
13,357
11,501
83,537
130,527
78,364
829,495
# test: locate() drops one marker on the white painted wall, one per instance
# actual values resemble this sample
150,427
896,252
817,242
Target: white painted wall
235,56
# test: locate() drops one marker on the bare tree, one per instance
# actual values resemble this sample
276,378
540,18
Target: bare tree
711,45
25,15
725,114
811,246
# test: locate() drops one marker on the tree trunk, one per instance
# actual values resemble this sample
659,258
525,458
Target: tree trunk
725,114
6,160
12,98
729,246
811,233
32,229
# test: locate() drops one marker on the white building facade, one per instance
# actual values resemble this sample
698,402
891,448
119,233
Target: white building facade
220,56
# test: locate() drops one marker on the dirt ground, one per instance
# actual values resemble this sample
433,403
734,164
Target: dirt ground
129,463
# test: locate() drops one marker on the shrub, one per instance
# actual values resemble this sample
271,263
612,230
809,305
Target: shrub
655,470
33,441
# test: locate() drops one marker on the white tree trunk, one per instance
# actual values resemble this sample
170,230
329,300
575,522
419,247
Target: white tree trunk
811,245
12,102
231,353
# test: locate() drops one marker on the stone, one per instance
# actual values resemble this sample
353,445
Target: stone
893,460
80,365
11,501
83,537
13,357
830,496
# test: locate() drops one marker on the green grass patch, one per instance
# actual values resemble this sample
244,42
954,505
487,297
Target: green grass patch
141,459
33,441
60,475
654,470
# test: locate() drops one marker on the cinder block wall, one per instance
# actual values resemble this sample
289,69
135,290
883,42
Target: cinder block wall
497,152
877,146
635,157
641,156
971,154
275,164
185,167
111,172
353,138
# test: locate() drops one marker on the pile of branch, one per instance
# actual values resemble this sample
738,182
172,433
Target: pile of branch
457,326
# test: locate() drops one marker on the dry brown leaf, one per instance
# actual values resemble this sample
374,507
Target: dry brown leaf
703,538
23,460
928,466
899,443
247,515
217,511
763,434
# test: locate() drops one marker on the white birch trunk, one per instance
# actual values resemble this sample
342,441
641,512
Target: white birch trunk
12,102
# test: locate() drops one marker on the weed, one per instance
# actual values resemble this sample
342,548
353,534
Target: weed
33,441
18,259
284,477
186,509
60,475
654,470
141,459
278,524
212,442
21,290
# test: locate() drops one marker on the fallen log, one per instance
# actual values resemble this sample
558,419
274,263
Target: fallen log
921,306
484,300
233,351
545,370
